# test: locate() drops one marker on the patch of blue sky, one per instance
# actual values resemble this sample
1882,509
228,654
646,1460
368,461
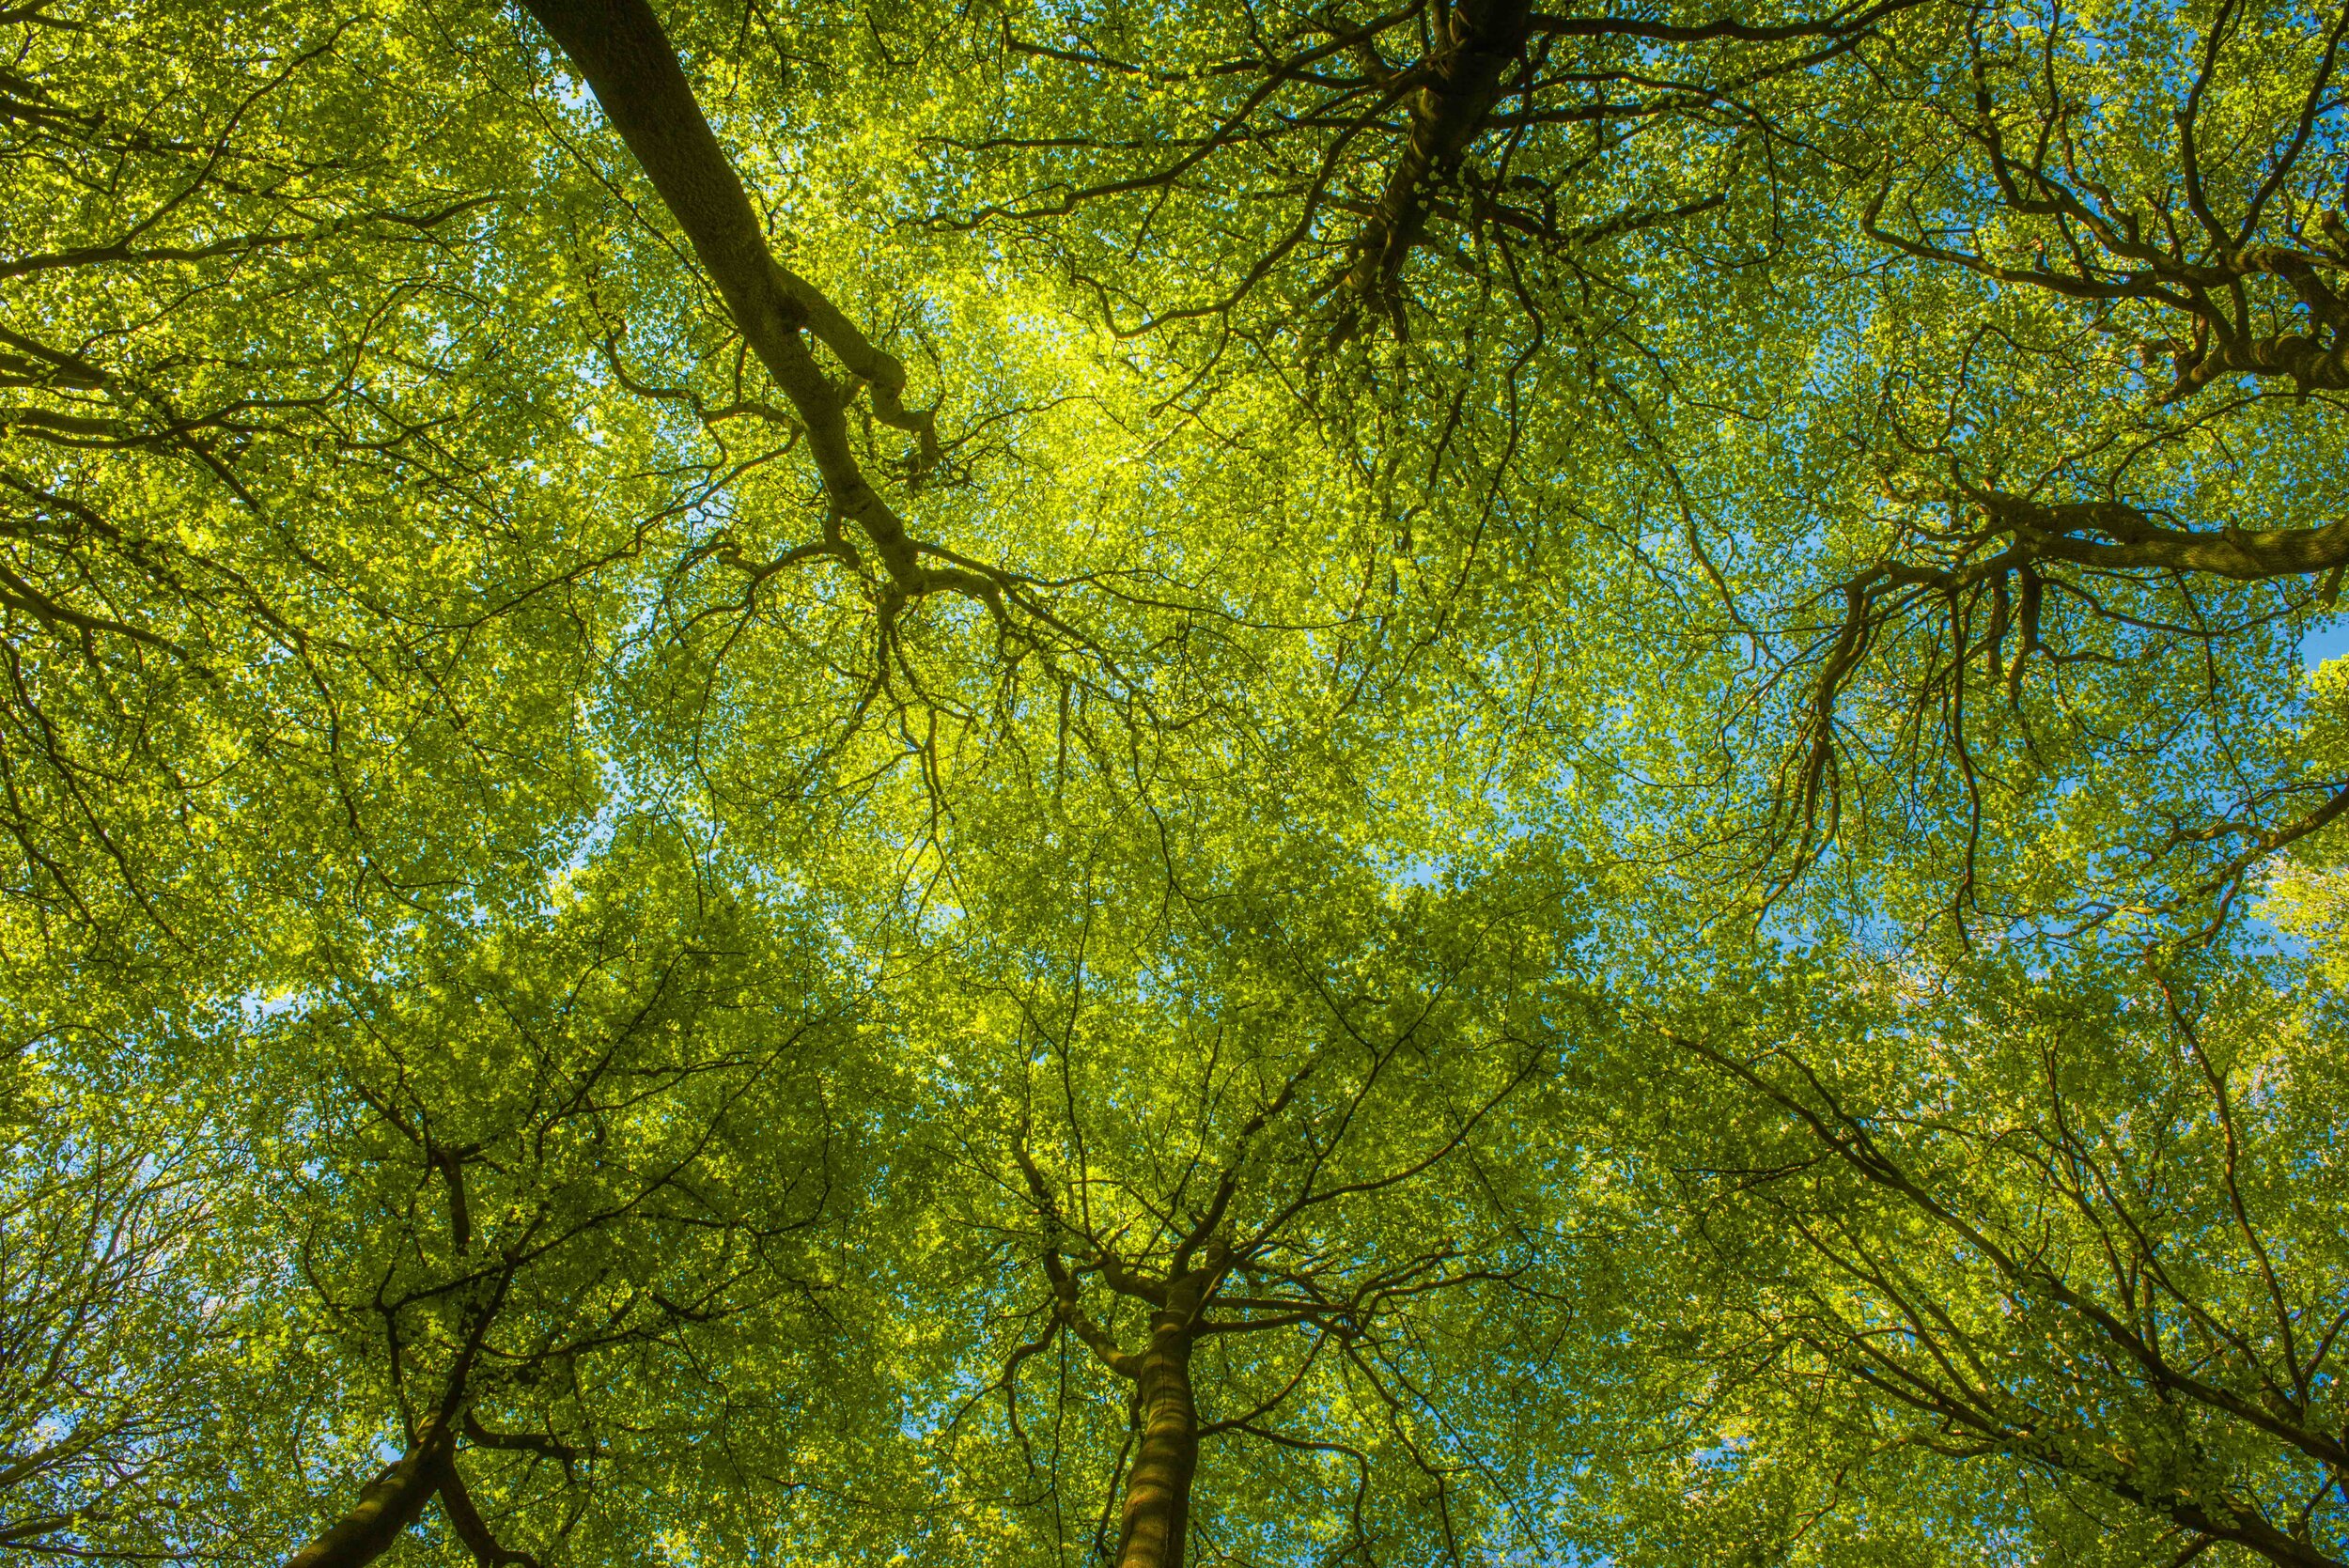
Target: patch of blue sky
259,1007
2326,639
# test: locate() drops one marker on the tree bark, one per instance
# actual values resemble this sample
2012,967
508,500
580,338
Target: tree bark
1484,40
618,46
386,1506
471,1528
1157,1489
2133,540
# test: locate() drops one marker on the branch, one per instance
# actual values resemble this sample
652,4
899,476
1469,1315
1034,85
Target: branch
466,1520
2132,540
387,1504
619,48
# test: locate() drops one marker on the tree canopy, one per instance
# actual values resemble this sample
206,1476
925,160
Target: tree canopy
1052,781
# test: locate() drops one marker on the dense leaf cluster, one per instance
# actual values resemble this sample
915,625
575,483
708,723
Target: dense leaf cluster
1062,781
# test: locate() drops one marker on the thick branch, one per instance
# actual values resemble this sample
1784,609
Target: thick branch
883,373
619,48
1097,1338
1462,83
2133,540
471,1529
387,1504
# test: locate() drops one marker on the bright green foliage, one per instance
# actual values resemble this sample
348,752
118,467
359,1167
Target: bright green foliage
296,477
1048,782
2084,1219
581,1171
1334,1087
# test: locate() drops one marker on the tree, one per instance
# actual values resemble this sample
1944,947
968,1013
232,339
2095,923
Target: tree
2049,519
1243,1161
565,1192
1403,785
114,1344
294,481
1310,160
2070,1224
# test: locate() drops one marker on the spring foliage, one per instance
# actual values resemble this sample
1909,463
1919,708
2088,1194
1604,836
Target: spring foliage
1040,782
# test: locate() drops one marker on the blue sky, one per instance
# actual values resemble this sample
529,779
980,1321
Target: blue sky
2328,640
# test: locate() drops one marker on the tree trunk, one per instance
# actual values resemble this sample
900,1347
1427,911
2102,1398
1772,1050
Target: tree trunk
386,1505
1469,68
1157,1489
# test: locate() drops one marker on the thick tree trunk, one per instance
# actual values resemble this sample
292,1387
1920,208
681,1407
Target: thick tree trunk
1157,1489
386,1505
1487,37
